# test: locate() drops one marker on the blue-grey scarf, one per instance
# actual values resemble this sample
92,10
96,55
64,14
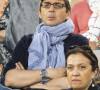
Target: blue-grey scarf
47,48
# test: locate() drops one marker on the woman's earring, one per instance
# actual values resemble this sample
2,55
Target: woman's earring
69,86
93,85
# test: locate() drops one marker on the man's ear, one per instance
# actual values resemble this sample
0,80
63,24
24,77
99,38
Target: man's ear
68,14
39,11
1,67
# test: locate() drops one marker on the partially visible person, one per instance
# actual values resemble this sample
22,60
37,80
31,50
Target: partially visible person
38,60
4,16
81,70
1,86
86,18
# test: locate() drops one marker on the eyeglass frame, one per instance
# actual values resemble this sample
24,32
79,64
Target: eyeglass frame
68,6
62,5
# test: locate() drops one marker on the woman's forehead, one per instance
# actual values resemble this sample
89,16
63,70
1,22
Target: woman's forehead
77,59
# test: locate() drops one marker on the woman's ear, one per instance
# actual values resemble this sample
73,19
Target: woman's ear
95,73
1,67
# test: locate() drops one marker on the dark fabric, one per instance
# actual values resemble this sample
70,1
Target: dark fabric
68,89
23,20
96,87
21,51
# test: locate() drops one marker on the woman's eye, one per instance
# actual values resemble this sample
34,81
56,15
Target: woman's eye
82,67
70,68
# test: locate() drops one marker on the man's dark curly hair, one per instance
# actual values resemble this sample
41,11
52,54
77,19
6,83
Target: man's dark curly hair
68,7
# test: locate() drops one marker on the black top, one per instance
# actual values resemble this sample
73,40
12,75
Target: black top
96,87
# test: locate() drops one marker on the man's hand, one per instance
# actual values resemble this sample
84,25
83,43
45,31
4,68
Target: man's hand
21,77
56,72
19,66
51,72
54,84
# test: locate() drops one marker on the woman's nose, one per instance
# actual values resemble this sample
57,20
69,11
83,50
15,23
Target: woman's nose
75,72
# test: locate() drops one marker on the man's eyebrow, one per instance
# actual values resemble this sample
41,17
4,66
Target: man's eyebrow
81,64
77,64
70,65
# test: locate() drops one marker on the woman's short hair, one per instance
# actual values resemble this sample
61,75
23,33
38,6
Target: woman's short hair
87,52
67,3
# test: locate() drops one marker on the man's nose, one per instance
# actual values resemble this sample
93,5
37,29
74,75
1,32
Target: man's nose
51,8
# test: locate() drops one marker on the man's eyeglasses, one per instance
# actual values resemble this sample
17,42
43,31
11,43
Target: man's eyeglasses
56,5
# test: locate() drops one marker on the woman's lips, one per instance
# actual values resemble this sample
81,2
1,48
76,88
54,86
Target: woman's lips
76,81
